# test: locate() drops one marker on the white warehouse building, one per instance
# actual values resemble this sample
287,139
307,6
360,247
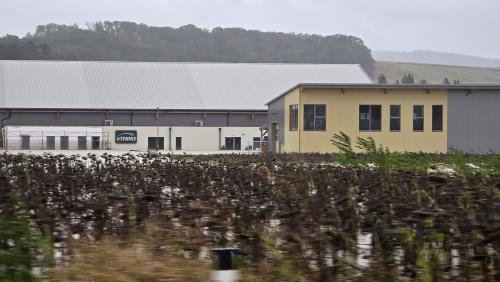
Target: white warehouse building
65,105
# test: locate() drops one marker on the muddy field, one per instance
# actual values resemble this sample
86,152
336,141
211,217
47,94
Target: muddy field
294,217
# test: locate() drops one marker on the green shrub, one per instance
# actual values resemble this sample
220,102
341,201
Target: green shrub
17,244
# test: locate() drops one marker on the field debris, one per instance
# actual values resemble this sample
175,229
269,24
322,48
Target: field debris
295,217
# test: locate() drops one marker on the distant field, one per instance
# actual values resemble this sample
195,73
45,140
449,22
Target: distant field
436,73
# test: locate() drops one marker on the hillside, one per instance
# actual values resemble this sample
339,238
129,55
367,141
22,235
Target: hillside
128,41
436,73
438,58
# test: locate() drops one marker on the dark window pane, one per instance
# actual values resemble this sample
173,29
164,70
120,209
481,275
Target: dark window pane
364,117
418,124
156,143
25,142
320,124
294,117
178,143
320,110
96,142
395,111
395,118
437,117
229,143
64,142
82,143
376,116
51,142
418,118
256,143
364,110
308,117
395,124
237,143
418,111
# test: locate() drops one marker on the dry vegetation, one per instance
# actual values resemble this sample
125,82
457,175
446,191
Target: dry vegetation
113,260
295,217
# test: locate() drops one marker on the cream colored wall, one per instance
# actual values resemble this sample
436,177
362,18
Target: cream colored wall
193,138
207,138
343,115
143,132
291,137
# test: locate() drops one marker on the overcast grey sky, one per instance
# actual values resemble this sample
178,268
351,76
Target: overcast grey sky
457,26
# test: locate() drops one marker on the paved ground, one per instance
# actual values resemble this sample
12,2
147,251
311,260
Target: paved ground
118,152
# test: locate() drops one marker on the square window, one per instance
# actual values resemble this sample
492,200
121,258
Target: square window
370,117
418,118
437,117
314,117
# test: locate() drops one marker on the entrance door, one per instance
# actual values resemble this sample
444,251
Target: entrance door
64,142
275,131
178,143
233,143
51,142
96,142
82,142
25,142
156,143
256,143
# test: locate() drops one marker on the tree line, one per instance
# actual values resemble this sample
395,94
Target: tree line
409,79
129,41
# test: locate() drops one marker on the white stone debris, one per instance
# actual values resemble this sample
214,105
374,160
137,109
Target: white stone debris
441,169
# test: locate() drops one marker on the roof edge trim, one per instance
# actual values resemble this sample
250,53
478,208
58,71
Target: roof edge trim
389,86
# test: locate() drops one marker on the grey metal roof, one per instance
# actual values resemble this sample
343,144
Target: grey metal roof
467,87
140,85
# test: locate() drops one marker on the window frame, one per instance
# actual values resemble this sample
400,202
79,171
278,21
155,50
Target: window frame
315,118
178,143
417,118
64,142
293,117
391,117
50,140
442,119
369,118
159,143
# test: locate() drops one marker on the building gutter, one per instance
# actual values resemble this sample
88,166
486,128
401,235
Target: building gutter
170,138
299,115
139,111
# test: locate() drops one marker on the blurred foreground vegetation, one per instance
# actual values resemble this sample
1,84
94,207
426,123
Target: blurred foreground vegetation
375,216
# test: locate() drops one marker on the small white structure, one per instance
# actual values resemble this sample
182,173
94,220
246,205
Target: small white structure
224,268
133,138
54,138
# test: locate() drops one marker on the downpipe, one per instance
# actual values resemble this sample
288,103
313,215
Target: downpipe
2,139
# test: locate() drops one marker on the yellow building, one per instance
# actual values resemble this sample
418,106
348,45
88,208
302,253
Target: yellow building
409,118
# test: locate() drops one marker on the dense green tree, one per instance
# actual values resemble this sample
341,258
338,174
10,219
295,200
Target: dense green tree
446,81
408,79
130,41
14,48
382,79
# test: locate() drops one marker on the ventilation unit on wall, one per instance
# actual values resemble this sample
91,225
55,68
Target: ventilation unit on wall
198,123
108,122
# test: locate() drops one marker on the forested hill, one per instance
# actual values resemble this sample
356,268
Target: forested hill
128,41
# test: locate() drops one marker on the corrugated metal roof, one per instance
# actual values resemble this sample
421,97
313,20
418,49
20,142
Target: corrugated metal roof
138,85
